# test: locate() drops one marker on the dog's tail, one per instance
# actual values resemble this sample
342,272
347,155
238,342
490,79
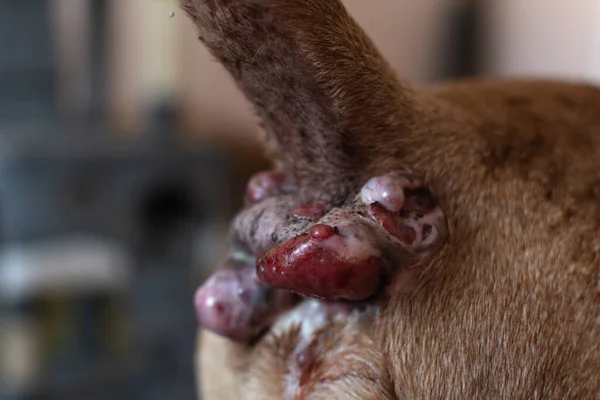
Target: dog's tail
317,81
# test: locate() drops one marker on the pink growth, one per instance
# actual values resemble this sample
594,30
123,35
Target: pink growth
264,185
322,232
311,211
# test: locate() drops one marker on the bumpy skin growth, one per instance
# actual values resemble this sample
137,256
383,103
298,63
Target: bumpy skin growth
348,253
340,253
236,304
508,308
233,302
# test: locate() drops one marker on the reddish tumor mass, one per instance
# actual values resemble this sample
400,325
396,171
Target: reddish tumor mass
387,219
322,232
407,235
303,266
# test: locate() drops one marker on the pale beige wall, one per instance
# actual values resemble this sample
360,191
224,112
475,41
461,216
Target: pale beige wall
556,38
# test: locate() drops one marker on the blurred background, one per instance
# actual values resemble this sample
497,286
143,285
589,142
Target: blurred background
124,151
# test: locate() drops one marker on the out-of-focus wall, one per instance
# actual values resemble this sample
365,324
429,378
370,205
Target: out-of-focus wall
554,38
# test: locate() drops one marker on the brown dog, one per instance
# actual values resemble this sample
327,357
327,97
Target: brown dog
433,243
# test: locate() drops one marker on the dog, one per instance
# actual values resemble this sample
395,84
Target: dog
410,243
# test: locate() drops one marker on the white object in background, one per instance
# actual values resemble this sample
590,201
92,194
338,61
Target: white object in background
68,266
545,38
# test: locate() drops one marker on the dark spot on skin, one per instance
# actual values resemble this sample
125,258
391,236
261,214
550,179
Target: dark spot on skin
418,215
274,237
569,213
255,223
302,133
423,198
361,308
427,229
336,230
220,307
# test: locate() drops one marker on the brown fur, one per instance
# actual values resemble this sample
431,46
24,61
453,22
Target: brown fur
510,307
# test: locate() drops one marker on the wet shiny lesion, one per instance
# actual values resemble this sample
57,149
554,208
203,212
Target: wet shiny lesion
315,250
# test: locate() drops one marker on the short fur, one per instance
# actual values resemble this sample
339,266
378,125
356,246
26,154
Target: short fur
510,307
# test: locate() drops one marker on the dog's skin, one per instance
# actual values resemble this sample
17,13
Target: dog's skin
503,302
